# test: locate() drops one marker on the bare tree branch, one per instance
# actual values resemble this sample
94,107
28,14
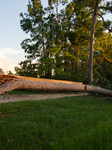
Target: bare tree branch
106,8
110,30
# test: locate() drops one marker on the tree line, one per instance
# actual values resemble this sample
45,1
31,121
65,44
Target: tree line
74,43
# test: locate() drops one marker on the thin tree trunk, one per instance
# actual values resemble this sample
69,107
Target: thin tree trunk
42,27
92,44
57,10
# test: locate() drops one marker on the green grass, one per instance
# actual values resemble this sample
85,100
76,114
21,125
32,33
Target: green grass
75,123
24,92
39,92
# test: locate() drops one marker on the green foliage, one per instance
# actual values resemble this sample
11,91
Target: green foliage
1,71
50,2
107,24
101,81
27,68
9,72
106,70
60,41
103,75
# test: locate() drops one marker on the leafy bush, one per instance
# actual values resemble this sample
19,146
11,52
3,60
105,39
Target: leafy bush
101,81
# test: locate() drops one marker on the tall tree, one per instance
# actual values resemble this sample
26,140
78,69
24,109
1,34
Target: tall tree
42,26
56,3
96,6
61,49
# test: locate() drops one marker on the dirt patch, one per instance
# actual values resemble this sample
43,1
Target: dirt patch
24,97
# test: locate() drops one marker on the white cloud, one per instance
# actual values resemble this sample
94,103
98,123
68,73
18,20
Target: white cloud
5,62
5,51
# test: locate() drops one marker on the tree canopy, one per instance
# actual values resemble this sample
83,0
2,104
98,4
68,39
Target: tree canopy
59,43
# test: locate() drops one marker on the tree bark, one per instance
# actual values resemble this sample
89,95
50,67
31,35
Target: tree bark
92,44
9,83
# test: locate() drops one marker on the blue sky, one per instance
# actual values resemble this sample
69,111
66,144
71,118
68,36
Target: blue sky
11,34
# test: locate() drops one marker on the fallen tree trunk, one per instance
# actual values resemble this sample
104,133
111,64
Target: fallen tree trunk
9,83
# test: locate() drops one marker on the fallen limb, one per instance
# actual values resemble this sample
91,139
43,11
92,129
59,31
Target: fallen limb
9,83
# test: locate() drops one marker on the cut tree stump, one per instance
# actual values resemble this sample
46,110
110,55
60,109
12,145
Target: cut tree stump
11,82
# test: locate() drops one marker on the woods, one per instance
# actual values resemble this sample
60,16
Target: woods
68,44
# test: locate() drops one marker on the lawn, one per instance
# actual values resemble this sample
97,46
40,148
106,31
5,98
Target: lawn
40,92
74,123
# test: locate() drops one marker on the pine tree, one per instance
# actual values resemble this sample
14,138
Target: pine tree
96,7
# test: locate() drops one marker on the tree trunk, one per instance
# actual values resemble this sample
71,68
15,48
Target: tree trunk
57,11
92,44
9,83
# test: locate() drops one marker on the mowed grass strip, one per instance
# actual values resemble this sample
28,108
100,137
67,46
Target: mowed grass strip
75,123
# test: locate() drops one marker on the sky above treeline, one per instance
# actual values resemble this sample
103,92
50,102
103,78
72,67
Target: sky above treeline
11,34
